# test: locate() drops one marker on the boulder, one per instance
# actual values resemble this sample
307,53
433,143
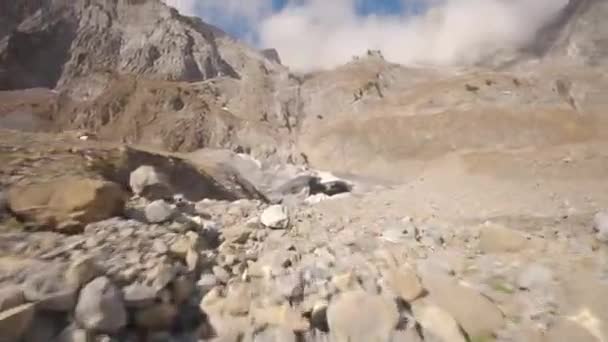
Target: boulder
438,323
158,211
477,315
358,316
67,204
15,321
404,282
100,307
147,181
275,217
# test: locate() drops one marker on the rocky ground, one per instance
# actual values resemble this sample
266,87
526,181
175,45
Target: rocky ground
334,260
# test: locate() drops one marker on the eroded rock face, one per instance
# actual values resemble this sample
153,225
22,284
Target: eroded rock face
67,204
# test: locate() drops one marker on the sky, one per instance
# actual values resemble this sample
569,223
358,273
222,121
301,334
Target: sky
321,34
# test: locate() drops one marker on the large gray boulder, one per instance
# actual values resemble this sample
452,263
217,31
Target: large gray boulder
100,307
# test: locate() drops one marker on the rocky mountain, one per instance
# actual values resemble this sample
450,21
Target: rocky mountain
100,54
162,181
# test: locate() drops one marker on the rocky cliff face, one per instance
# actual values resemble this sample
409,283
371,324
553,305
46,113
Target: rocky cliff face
62,40
103,57
577,35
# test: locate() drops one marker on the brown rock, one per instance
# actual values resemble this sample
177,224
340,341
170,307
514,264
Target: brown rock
67,204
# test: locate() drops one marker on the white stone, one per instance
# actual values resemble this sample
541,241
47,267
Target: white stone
158,211
275,217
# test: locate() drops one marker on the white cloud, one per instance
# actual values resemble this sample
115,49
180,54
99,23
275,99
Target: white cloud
312,34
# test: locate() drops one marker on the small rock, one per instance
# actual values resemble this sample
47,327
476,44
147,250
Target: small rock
318,316
439,323
283,316
10,297
192,259
50,291
275,334
158,211
361,317
73,334
238,300
139,295
157,317
211,301
159,247
346,282
407,231
498,239
221,274
161,276
149,182
600,226
206,282
275,217
404,282
534,276
81,272
15,321
100,307
477,315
